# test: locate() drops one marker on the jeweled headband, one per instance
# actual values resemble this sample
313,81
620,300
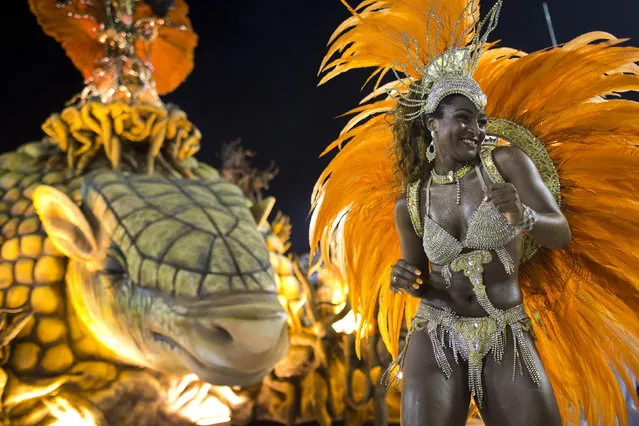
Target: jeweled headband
449,72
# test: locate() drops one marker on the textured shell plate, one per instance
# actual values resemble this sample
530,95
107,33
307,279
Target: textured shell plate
190,238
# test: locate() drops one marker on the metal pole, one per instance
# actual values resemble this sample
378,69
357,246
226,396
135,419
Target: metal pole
553,39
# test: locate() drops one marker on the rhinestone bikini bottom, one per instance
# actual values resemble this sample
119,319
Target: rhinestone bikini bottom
470,339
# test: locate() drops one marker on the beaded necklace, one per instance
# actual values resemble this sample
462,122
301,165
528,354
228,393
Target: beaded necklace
452,177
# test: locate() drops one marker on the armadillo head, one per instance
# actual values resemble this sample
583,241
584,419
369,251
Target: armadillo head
170,274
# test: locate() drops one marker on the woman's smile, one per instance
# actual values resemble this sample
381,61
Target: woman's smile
470,143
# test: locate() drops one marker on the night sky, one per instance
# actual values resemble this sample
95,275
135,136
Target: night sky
255,77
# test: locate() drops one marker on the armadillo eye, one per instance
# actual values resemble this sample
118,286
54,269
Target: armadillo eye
115,262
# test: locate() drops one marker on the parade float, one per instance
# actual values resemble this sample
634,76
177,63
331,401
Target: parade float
140,286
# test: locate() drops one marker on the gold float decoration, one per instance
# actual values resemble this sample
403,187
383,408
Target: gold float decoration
85,130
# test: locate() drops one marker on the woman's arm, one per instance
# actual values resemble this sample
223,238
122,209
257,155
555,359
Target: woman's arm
410,271
409,241
551,229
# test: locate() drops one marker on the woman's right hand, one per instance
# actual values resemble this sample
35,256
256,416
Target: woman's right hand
406,277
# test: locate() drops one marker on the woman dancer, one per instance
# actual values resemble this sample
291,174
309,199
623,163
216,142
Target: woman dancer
465,219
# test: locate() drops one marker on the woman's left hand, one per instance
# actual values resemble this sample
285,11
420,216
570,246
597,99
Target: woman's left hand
506,199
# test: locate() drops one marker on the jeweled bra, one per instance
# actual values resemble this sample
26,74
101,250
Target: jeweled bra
488,230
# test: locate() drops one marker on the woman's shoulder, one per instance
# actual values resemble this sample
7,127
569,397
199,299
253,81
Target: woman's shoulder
511,160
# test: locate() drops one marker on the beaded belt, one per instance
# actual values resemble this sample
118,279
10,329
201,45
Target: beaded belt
471,339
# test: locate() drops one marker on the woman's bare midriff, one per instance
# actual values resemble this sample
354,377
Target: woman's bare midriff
502,289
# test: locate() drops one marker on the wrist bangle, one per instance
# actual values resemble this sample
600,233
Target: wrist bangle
527,221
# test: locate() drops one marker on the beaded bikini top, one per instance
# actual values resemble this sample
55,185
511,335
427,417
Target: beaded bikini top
487,228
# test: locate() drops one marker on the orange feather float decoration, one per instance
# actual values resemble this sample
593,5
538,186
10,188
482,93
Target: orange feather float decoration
171,53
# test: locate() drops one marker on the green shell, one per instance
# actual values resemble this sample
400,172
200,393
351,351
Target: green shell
184,237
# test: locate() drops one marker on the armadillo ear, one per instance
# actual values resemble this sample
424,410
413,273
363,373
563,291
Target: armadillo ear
65,224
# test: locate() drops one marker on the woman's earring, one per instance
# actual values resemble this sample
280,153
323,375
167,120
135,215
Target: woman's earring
430,152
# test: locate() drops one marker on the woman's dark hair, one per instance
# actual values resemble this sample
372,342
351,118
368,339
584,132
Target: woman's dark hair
411,139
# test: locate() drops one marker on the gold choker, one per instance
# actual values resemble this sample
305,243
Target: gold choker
452,177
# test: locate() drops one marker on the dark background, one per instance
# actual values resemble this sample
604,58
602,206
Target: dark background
255,77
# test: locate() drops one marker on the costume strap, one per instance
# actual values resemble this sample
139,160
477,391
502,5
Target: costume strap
412,196
486,155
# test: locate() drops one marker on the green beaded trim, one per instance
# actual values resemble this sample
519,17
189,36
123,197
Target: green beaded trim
486,155
412,196
472,265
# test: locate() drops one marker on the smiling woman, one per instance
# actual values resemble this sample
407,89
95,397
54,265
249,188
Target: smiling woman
473,193
456,129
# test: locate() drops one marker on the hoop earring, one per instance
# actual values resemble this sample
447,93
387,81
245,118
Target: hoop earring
431,152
